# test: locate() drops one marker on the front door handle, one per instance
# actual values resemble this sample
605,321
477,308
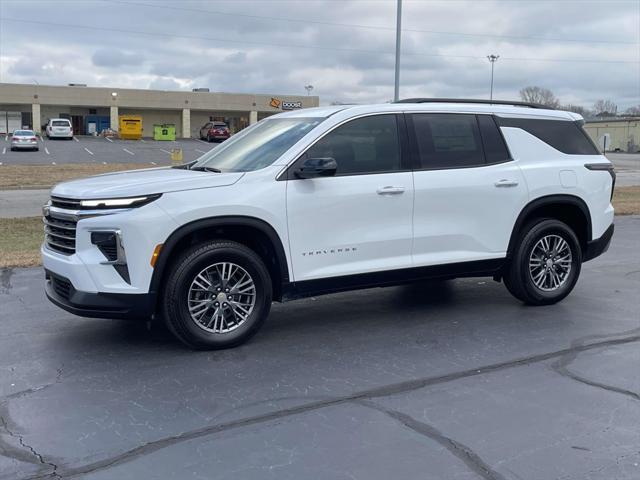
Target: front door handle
390,190
506,183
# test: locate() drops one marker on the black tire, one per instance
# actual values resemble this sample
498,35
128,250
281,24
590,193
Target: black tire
518,278
176,293
209,139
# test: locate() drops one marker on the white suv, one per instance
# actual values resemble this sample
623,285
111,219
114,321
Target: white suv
331,199
59,128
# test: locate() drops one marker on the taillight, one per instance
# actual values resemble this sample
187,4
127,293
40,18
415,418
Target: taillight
34,139
604,167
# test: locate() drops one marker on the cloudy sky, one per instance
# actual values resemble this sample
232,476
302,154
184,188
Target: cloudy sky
583,50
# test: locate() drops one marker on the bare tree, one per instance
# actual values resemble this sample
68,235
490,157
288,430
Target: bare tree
585,112
543,96
633,110
605,108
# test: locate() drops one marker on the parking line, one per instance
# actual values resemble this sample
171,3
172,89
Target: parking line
88,151
153,163
108,139
142,140
165,151
199,150
53,163
6,138
47,150
76,139
4,150
104,163
128,151
200,140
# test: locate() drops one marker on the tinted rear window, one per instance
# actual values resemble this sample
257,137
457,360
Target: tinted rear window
23,133
565,136
60,123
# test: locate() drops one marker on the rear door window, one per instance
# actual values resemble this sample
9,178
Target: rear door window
495,150
444,140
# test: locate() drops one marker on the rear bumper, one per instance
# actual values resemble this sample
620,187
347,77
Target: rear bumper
61,292
30,144
597,247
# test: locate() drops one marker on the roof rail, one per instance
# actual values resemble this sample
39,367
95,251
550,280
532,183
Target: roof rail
473,100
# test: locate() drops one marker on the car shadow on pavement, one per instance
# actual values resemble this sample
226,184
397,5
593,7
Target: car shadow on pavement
377,311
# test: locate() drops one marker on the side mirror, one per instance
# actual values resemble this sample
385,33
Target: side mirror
317,167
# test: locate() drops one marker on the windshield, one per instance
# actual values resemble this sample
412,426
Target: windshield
258,146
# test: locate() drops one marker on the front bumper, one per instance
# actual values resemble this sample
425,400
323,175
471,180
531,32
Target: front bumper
61,292
597,247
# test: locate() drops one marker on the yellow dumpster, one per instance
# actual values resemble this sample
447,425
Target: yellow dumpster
130,127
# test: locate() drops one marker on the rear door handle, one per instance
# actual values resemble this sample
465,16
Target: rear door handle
506,183
390,190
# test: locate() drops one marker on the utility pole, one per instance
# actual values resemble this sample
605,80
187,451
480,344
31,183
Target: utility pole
493,59
396,91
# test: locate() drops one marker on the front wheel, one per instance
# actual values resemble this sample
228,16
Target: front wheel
546,263
218,294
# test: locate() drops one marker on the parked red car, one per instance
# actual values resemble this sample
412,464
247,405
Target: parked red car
215,132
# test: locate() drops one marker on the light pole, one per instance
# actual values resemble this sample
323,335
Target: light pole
493,59
396,91
308,88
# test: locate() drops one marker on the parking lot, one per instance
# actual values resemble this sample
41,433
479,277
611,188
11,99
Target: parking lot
88,149
451,380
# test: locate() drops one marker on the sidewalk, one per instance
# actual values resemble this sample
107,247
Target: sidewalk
22,203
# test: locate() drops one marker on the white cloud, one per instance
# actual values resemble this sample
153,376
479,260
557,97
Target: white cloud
225,47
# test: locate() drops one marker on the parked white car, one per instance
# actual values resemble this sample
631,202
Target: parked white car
59,128
24,140
330,199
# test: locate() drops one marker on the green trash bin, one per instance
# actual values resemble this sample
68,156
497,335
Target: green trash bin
166,131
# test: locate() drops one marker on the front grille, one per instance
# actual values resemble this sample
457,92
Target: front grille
60,234
61,286
68,203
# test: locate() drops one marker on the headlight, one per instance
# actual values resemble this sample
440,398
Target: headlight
129,202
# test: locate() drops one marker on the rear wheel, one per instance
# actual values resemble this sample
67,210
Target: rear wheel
546,263
218,295
209,139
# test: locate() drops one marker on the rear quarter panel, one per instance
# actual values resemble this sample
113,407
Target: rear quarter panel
548,171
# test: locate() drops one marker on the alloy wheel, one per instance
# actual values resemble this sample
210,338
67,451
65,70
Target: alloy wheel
221,297
550,263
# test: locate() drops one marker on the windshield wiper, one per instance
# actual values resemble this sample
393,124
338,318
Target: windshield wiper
207,169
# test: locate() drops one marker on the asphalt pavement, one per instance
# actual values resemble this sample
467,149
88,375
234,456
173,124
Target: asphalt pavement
87,149
449,380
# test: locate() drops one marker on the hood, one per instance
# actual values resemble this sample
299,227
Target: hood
143,182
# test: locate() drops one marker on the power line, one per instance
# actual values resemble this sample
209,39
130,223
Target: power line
299,46
372,27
